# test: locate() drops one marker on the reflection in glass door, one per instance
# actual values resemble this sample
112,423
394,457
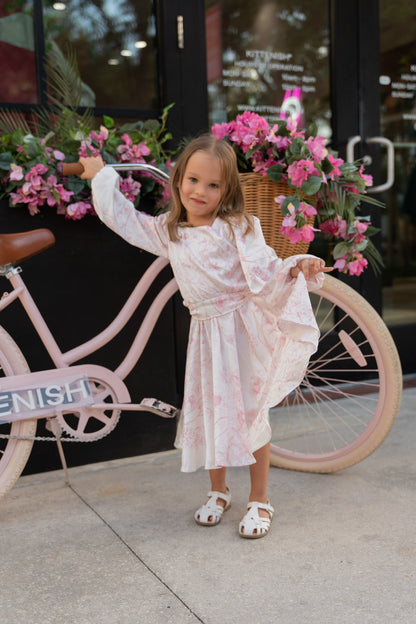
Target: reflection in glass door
398,123
270,57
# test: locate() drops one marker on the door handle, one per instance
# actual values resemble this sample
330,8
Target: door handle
352,142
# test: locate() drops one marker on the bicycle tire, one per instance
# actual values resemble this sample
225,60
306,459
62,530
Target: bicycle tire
13,453
350,396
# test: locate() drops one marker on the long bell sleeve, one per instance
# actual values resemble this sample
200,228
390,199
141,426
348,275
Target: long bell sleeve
119,214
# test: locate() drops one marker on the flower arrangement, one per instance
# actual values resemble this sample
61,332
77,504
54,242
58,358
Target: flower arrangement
31,166
322,186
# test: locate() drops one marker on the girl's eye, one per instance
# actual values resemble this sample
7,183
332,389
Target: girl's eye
191,179
214,185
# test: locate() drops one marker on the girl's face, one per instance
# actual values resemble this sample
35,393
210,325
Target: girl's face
201,188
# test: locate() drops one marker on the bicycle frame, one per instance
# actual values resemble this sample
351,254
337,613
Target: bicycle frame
63,360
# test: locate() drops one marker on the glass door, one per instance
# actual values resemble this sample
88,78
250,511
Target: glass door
270,57
398,124
350,67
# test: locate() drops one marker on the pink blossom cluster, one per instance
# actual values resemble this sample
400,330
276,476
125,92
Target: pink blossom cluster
129,152
88,149
285,154
37,191
296,225
300,171
250,131
352,261
78,210
130,188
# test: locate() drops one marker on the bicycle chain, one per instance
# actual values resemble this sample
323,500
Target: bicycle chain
90,437
43,438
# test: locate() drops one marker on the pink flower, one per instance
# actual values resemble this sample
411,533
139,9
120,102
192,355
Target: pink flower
317,148
58,155
247,131
340,263
220,131
357,266
101,137
289,220
132,153
335,227
130,188
16,172
87,149
354,267
78,210
368,179
360,228
307,209
300,170
40,169
281,142
335,162
294,234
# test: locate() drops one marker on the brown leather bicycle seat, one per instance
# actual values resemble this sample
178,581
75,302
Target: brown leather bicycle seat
15,248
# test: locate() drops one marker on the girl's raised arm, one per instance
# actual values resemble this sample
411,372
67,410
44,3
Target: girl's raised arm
119,214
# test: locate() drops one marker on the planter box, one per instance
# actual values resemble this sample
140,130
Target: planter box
80,284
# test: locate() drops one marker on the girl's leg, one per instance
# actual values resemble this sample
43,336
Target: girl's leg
217,477
210,514
259,475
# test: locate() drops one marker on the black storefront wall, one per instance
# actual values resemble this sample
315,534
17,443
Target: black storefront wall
80,284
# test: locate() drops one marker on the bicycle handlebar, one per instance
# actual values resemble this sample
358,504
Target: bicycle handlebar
77,169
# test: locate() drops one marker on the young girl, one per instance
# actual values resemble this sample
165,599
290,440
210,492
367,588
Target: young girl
252,328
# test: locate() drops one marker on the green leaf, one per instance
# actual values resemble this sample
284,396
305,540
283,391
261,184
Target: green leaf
6,159
108,121
76,184
291,199
311,185
326,166
340,250
275,173
361,246
312,130
151,125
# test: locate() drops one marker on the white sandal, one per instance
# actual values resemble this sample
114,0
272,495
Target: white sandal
253,525
210,514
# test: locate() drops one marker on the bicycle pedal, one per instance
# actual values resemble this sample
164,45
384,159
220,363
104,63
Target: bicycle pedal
158,407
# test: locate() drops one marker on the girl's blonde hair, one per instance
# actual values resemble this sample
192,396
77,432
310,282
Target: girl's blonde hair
231,205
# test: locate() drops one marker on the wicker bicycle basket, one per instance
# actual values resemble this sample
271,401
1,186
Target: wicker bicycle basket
259,198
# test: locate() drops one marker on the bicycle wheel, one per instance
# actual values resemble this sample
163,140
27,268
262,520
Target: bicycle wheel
13,453
351,393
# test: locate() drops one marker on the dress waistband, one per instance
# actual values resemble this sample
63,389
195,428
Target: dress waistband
217,306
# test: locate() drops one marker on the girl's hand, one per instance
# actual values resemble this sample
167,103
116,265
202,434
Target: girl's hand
92,165
310,267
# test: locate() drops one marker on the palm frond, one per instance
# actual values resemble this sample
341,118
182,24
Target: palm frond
10,121
65,91
64,81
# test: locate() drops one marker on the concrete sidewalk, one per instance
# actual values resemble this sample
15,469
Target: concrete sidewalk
121,545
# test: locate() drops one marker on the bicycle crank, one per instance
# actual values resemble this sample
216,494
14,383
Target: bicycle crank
89,423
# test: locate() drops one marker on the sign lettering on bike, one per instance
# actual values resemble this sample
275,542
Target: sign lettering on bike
76,392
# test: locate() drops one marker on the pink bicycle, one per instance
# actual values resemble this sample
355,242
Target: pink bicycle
342,411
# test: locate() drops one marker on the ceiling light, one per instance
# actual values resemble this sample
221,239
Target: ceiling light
59,6
113,61
140,44
126,53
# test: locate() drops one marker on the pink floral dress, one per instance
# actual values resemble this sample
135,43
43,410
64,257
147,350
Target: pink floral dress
252,328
